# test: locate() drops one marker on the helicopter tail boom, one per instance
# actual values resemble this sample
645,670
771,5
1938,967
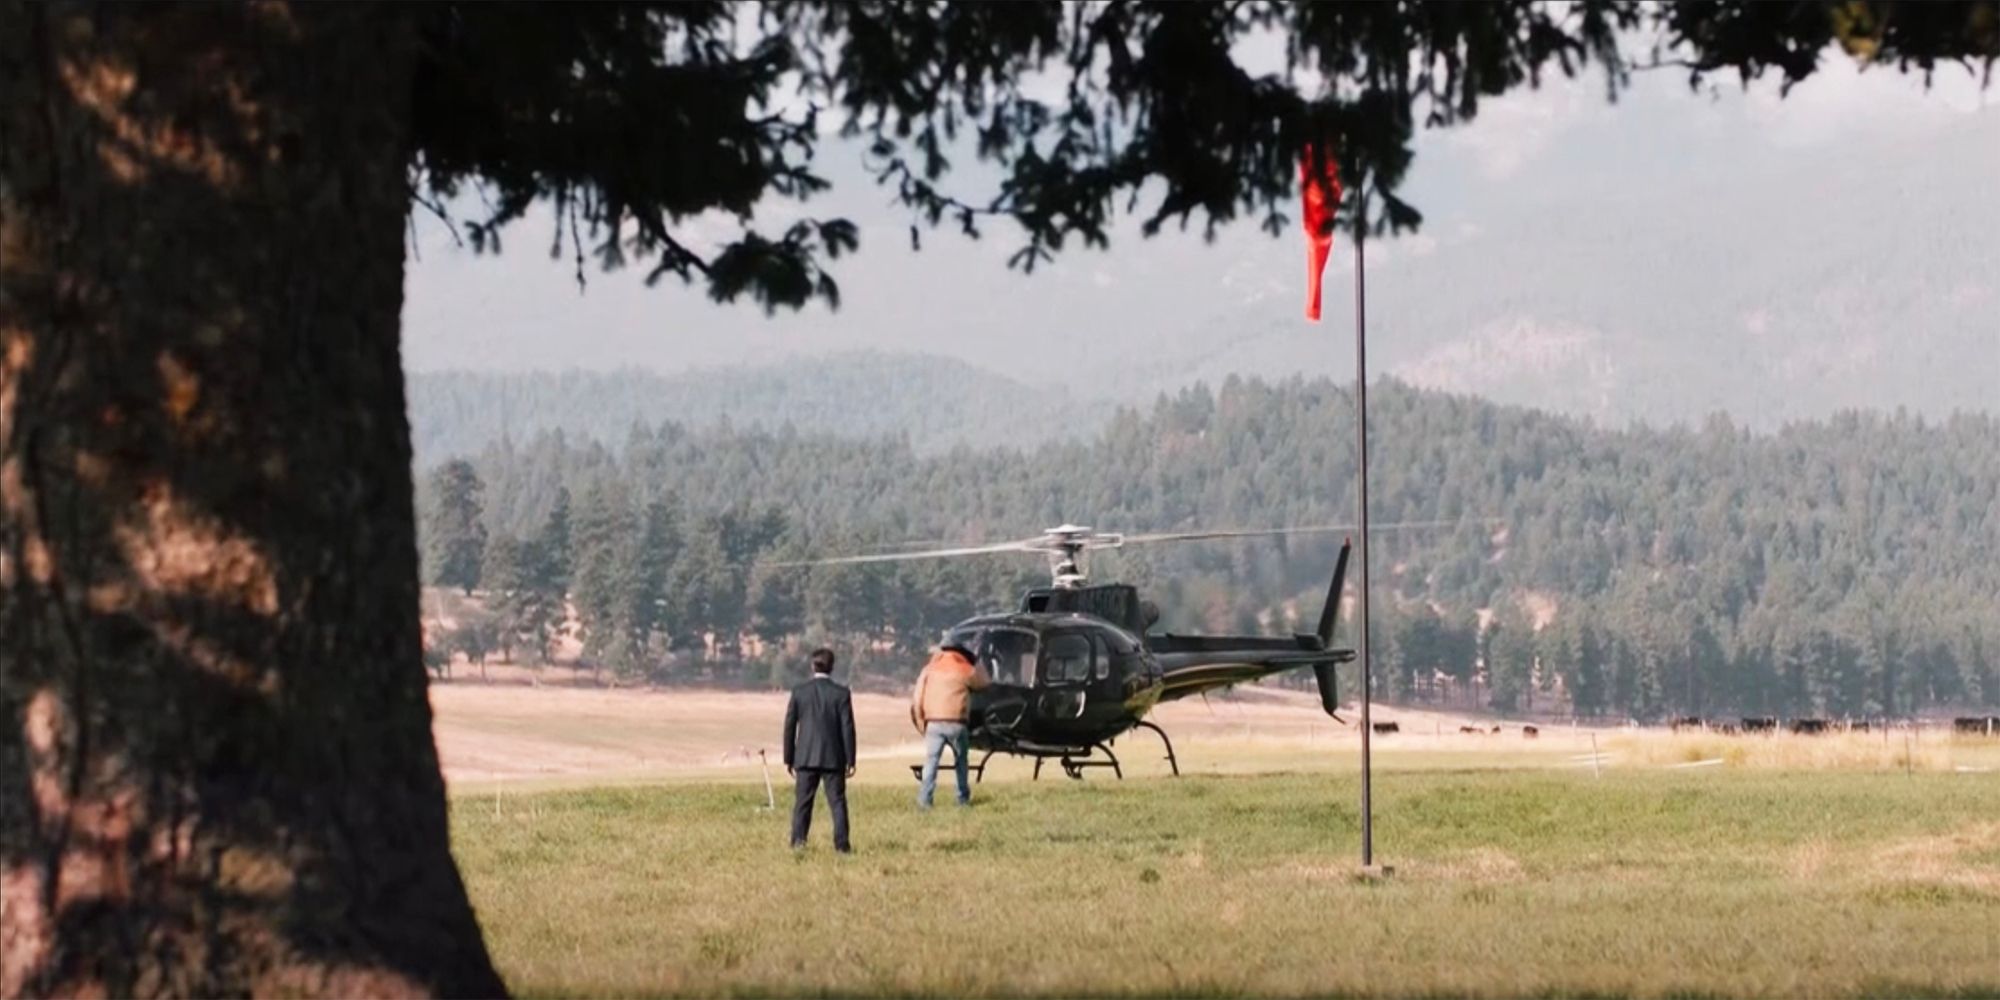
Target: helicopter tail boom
1197,663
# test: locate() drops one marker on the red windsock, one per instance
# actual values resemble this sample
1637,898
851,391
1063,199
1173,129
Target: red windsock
1319,185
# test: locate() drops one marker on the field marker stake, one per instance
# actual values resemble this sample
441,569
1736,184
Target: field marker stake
1595,770
770,800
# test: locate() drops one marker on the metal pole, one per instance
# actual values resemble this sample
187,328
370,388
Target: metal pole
1361,501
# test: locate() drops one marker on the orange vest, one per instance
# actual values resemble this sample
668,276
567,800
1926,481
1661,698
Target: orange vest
944,689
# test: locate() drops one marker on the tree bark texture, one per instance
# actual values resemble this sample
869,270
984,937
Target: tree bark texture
217,774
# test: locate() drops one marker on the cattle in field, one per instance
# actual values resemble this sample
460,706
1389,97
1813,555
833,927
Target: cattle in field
1469,729
1759,723
1688,722
1385,728
1808,727
1976,725
1727,729
1858,726
1530,732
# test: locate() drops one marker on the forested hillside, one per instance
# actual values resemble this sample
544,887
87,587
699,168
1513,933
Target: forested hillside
1840,567
938,402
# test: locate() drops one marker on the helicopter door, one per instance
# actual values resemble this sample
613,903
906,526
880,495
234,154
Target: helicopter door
1066,669
1007,655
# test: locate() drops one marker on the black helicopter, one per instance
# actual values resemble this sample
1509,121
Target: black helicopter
1076,667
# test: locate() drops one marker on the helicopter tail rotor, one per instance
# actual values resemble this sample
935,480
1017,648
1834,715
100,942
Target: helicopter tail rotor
1326,673
1329,615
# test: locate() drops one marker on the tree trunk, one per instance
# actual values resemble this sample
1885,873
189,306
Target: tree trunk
217,774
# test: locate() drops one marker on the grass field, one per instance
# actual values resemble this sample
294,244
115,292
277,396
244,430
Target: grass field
1533,879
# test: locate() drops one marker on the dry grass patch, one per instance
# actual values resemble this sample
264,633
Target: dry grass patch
1892,750
1811,858
514,737
1949,859
1480,866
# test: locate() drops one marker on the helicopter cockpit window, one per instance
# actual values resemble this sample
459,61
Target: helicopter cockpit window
1067,660
1101,658
1006,655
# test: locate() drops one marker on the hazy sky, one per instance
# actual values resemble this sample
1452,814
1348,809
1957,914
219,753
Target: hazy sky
1537,176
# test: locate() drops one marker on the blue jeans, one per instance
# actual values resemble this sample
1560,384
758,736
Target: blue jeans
936,735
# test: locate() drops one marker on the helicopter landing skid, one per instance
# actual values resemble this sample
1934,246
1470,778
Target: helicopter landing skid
978,771
1172,761
1074,765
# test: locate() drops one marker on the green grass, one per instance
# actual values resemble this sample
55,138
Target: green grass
1708,883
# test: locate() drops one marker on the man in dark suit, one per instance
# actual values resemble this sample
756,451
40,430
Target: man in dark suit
819,748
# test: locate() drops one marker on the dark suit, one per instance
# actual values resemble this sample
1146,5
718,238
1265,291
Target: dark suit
819,747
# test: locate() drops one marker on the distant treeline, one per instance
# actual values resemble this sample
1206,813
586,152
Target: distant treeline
1845,567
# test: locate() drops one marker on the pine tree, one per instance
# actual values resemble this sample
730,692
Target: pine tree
606,571
699,600
500,574
646,596
778,595
475,638
553,560
1510,660
453,532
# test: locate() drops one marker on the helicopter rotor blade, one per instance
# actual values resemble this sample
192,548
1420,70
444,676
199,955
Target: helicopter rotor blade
1314,529
1063,540
906,545
1020,545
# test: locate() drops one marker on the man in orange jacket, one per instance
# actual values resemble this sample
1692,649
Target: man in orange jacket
941,708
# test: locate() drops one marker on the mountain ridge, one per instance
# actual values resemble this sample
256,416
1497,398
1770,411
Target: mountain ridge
936,402
939,403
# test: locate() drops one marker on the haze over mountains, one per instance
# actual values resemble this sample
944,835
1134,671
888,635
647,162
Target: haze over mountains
1786,293
1658,262
935,402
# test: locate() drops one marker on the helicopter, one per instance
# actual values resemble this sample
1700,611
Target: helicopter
1077,665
